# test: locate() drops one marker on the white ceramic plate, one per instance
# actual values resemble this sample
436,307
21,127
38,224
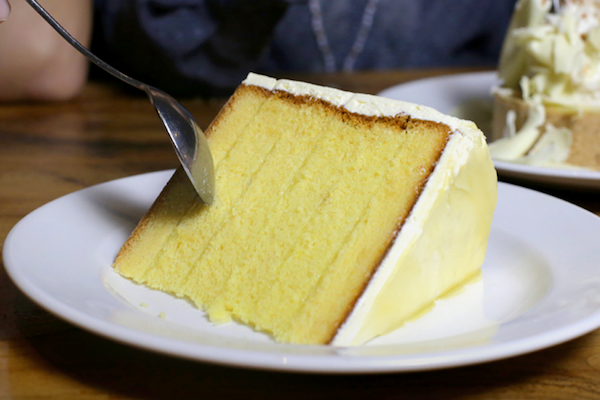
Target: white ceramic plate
540,287
450,93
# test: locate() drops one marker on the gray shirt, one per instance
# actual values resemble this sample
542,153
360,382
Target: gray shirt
206,47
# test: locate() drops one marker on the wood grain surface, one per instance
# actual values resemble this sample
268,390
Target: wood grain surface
48,150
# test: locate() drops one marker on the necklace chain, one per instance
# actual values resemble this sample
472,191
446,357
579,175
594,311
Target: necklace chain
358,45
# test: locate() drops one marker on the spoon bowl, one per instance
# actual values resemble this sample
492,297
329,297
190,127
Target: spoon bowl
188,140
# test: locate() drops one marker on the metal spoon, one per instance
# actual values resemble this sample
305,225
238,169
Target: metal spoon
188,140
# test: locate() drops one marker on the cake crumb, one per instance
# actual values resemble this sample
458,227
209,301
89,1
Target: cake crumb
144,305
162,315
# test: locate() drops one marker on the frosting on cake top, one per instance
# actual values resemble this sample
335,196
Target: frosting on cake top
363,104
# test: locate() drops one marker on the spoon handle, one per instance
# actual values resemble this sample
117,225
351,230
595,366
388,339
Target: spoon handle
117,74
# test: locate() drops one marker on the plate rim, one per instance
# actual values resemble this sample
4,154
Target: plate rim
284,360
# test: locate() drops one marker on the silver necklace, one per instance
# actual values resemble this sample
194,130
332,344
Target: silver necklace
358,45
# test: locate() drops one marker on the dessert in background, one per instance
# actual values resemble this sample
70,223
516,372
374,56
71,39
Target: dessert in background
547,111
337,217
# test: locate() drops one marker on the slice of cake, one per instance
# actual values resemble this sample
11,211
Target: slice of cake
547,111
337,218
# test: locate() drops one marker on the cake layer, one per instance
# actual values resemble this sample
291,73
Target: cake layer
315,188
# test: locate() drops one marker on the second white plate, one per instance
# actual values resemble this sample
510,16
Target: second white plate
450,93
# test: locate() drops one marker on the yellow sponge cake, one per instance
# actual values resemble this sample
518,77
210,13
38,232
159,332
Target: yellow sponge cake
337,217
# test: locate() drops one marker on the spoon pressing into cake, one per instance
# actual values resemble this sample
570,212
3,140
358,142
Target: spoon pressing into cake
187,138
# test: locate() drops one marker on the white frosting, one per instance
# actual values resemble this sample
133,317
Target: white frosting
514,145
536,143
554,57
458,201
364,104
549,59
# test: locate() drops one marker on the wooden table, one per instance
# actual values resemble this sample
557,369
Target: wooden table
48,150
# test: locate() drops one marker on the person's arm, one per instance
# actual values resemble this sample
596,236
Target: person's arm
35,62
4,10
